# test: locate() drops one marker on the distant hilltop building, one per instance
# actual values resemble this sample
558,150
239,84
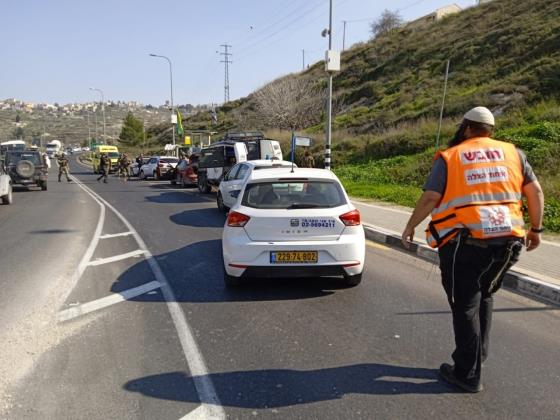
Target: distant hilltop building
438,14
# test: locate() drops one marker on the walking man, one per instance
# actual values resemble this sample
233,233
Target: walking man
104,167
474,194
62,161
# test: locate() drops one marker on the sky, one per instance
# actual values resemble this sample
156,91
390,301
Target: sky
54,50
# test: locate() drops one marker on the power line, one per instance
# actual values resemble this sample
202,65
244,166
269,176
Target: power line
226,62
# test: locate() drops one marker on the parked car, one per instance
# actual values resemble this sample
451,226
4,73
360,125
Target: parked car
135,168
237,176
186,172
158,167
26,168
219,157
293,224
5,187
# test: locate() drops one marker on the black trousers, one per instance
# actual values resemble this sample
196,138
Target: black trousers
471,274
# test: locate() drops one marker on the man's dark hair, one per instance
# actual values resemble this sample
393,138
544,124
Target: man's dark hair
477,130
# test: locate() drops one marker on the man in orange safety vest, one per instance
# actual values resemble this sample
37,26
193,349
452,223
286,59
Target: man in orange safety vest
474,194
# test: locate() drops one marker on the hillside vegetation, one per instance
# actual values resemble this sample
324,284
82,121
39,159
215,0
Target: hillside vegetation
503,55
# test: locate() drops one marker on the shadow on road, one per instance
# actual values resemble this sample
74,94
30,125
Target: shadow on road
542,308
270,388
176,197
51,231
195,273
209,217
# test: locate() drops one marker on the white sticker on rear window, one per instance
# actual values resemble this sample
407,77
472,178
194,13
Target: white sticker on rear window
495,220
486,175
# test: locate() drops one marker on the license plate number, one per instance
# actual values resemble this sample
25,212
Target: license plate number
293,257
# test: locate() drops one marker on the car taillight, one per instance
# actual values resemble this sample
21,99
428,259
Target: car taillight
352,218
237,219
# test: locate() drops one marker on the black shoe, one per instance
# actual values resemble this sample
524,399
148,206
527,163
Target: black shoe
104,181
447,373
59,180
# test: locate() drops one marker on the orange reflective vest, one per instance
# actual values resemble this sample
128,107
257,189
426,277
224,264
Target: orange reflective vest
483,192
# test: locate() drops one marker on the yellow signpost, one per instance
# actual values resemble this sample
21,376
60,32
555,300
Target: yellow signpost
188,140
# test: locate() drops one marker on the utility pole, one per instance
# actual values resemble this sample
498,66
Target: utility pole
344,36
88,129
442,104
329,101
226,62
303,57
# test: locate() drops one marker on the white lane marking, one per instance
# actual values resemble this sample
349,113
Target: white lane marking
193,356
114,258
115,235
98,304
82,265
360,203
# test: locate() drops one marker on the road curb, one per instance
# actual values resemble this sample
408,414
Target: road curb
513,281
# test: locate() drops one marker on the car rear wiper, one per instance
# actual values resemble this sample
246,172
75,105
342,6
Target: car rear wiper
303,206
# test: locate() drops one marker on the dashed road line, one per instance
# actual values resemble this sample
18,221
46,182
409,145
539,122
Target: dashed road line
86,308
114,258
115,235
211,406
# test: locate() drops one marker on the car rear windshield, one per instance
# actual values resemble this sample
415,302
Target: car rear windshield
113,155
16,157
293,195
169,160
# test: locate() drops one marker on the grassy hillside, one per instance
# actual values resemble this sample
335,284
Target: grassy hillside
503,54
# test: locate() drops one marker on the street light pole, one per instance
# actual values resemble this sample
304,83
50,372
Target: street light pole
329,101
172,108
102,110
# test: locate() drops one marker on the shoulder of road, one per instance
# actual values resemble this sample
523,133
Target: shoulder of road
536,275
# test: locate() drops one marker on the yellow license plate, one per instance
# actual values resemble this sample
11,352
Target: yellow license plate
290,257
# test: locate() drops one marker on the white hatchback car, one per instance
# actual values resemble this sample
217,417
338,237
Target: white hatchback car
293,224
6,194
237,176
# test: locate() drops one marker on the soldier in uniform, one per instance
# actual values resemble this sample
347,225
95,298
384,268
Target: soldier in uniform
308,161
124,166
62,161
104,167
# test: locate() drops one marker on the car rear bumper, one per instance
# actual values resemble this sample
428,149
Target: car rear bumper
245,258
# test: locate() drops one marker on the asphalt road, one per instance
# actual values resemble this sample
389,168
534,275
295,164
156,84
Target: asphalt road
305,349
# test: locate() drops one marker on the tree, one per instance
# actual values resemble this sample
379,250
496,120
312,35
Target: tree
387,22
132,131
290,103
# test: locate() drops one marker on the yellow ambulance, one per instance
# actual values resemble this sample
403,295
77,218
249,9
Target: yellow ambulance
112,152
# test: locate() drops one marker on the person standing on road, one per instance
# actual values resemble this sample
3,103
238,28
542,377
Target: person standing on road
474,194
63,163
308,160
104,167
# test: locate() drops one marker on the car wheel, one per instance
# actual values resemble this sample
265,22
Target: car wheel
8,198
232,281
353,280
142,176
154,175
220,201
44,186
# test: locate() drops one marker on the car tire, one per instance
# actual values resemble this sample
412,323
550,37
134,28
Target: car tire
353,281
220,202
154,175
8,198
43,186
141,175
231,281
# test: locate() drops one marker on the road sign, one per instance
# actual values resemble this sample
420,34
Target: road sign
188,140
